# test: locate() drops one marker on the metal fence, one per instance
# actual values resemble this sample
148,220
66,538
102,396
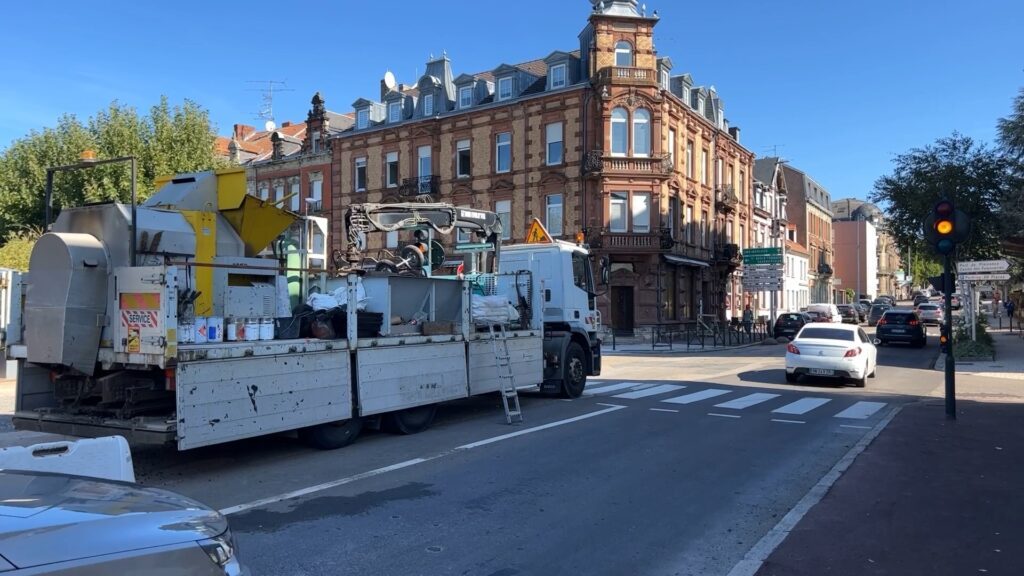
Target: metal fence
698,335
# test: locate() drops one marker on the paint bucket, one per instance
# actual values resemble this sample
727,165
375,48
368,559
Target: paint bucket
266,329
214,329
186,333
231,330
252,330
200,330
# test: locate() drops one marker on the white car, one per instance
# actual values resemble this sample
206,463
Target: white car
832,350
827,310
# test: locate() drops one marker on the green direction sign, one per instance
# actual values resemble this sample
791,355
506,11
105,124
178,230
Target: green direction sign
757,260
762,252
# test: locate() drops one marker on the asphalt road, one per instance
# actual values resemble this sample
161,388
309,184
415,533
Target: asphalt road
668,465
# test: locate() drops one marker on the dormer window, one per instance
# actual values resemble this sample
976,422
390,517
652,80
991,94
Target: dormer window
505,88
665,80
315,141
465,97
428,105
623,54
362,119
558,79
395,112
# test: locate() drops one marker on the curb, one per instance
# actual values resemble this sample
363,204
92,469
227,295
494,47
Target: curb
676,352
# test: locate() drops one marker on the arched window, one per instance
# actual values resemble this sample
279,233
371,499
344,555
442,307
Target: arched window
620,134
623,54
641,133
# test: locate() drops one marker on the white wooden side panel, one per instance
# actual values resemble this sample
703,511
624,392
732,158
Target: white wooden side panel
527,356
225,400
401,377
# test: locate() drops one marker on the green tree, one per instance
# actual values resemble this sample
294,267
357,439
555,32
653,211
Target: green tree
16,251
976,177
169,140
1011,130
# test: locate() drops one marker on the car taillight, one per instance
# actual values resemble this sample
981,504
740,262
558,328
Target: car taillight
882,321
792,349
913,322
852,353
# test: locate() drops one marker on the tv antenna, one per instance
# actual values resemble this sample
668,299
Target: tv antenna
267,90
775,149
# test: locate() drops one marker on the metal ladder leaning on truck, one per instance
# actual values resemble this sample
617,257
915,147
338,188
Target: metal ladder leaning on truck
110,344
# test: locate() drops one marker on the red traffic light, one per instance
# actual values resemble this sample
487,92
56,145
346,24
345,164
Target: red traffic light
944,209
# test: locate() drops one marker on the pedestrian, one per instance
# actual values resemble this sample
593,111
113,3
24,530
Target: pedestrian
748,319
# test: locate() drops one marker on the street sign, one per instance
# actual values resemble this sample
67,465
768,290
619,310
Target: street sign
975,266
983,277
538,234
762,252
762,260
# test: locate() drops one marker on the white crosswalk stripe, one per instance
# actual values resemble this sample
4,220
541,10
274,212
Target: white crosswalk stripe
861,410
697,396
802,406
650,391
747,401
588,391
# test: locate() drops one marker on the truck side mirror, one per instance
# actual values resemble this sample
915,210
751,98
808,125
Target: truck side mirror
606,267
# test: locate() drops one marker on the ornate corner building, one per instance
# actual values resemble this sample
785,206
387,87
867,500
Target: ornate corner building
603,141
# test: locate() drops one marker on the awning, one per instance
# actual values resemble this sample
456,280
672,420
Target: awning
683,261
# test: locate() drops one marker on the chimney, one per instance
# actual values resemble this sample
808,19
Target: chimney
735,133
285,124
243,131
383,89
278,146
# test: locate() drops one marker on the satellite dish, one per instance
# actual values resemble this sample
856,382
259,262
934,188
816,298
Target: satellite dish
270,125
389,80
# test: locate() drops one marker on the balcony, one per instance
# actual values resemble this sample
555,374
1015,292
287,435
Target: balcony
622,75
825,269
693,252
596,163
314,206
729,255
420,186
726,199
624,242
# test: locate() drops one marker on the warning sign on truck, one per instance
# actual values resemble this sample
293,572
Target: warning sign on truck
139,318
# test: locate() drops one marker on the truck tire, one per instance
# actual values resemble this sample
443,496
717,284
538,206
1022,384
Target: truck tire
410,420
332,435
574,371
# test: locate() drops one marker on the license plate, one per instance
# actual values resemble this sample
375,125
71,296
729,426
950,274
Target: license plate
899,331
821,372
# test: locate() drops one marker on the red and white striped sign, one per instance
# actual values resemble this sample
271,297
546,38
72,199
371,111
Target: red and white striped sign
140,318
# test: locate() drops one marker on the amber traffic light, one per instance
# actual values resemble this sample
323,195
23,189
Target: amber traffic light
946,227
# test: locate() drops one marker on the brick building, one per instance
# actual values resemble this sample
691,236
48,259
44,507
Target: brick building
603,141
809,208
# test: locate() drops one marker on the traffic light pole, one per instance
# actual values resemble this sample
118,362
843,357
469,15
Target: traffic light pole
947,329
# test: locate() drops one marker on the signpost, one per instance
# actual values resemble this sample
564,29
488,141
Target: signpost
976,266
970,273
990,277
763,271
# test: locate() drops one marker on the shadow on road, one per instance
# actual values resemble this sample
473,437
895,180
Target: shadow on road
778,376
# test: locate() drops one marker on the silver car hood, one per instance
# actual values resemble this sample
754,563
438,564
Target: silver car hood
46,518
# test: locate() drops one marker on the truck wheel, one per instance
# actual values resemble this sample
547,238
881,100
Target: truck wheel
574,377
332,435
410,420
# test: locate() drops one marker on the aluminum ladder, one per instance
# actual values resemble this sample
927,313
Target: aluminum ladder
506,379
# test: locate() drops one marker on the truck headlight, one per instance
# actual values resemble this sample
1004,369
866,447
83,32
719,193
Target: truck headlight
221,550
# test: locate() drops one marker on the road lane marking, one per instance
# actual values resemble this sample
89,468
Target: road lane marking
663,410
855,426
610,405
697,396
407,463
723,415
760,552
612,387
802,406
643,393
788,421
861,410
747,401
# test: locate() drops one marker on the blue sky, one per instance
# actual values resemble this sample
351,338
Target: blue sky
839,87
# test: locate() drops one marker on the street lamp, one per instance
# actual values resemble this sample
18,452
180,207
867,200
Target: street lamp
88,160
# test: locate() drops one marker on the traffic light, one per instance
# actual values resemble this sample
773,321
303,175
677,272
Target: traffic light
946,227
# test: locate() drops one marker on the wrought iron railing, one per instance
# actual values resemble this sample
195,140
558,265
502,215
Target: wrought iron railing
420,186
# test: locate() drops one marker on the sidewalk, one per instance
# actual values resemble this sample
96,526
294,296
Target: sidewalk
928,496
1009,362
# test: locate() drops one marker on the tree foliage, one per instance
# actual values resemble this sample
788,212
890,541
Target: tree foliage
168,140
1011,140
16,251
975,177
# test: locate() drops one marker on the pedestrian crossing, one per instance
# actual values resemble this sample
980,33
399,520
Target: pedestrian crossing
731,402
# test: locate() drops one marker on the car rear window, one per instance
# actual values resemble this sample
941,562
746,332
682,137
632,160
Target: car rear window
791,317
827,334
898,318
928,307
877,308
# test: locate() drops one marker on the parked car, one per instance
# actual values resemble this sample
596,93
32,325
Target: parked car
956,302
63,524
849,314
877,310
930,313
828,310
835,351
789,324
862,311
901,326
817,316
920,299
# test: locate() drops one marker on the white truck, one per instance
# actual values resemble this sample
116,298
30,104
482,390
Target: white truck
110,341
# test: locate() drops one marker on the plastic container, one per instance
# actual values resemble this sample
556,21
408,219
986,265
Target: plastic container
252,329
186,333
266,328
200,330
231,330
214,329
